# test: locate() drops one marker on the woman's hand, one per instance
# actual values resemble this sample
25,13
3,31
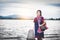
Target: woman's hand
40,25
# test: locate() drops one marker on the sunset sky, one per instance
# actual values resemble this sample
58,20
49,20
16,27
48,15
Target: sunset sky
28,8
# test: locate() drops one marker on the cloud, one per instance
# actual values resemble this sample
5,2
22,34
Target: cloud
28,7
29,1
11,1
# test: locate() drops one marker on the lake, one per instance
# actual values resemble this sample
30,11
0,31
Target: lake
20,28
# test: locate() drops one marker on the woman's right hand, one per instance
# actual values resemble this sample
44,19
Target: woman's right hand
40,25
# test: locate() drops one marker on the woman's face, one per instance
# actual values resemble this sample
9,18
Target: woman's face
38,13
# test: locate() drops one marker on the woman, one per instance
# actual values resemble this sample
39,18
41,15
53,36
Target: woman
38,22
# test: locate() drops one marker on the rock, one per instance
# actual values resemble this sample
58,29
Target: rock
30,35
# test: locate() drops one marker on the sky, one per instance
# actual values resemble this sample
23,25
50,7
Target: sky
28,8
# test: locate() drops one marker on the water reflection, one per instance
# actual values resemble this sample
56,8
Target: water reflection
18,29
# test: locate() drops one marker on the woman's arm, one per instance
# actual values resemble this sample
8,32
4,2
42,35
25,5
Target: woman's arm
44,23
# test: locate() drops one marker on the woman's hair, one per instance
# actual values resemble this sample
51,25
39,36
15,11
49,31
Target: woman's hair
40,12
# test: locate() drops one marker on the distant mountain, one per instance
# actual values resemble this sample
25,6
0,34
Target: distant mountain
9,17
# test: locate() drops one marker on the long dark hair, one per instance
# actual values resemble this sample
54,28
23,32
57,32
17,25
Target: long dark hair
40,12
